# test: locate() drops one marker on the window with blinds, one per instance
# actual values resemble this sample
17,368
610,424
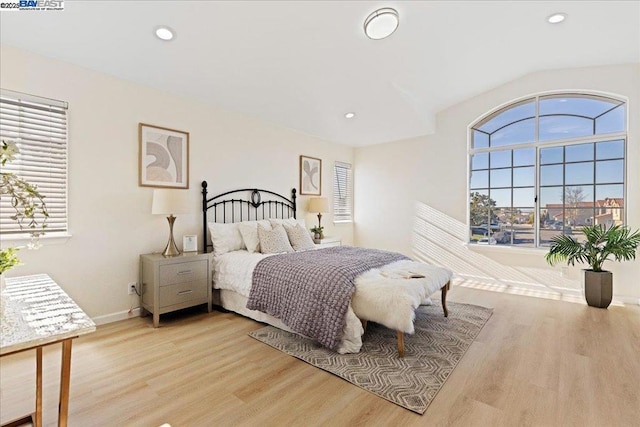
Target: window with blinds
342,192
38,126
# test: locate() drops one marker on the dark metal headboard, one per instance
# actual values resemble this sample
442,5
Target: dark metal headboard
237,210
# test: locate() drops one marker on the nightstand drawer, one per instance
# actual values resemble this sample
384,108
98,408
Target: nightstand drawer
173,283
183,292
182,272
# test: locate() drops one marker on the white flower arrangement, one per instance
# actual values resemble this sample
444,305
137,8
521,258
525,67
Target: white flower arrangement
30,210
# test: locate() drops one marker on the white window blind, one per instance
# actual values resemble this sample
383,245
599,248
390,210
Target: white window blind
342,192
38,126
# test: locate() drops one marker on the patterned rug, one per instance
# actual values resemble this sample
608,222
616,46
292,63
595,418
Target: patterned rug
412,382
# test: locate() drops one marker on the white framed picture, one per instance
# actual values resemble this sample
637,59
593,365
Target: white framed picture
190,243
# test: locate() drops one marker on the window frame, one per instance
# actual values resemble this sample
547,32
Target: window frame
538,145
338,217
57,193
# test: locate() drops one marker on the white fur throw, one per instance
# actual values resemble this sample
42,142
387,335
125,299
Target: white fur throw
386,296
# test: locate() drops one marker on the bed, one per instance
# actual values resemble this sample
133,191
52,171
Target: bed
384,287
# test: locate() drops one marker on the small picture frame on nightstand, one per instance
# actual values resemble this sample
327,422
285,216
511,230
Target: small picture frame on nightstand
190,243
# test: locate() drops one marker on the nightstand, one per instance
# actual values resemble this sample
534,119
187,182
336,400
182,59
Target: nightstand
173,283
328,242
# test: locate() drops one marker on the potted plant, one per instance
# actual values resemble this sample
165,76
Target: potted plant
600,244
30,210
318,233
8,260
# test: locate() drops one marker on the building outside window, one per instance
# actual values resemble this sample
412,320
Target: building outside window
547,165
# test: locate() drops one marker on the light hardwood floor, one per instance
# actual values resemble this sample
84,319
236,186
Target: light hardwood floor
536,362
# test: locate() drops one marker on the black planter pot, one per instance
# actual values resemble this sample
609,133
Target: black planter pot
598,288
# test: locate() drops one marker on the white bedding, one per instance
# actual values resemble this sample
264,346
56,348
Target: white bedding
382,295
233,271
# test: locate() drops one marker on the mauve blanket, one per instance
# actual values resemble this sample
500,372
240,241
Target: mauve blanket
310,291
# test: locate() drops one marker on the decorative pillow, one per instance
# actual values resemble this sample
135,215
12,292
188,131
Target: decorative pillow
299,237
273,241
249,232
281,221
225,238
287,222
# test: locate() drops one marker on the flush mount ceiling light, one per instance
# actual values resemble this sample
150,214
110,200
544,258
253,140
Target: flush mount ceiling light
164,33
556,18
349,115
381,23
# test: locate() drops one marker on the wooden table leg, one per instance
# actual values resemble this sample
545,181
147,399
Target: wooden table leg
65,380
445,288
38,419
400,343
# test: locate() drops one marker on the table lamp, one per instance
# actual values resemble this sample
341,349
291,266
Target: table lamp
320,205
170,202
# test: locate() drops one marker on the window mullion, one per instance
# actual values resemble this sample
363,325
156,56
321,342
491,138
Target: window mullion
571,208
564,188
536,191
537,206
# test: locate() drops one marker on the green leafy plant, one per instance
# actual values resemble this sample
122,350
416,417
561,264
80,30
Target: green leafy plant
317,230
8,259
30,210
601,243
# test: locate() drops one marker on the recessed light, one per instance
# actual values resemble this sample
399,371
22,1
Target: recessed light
349,115
556,18
164,33
381,23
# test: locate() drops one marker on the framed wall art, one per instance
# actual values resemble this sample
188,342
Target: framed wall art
310,176
163,157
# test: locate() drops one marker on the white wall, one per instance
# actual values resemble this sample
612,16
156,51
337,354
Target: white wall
411,196
109,214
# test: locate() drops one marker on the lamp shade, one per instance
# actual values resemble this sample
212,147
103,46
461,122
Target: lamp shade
318,204
171,202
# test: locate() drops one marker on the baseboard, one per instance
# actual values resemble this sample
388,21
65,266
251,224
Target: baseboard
626,299
128,314
495,285
117,316
517,284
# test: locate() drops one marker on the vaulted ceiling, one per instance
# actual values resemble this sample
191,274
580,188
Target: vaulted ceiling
304,64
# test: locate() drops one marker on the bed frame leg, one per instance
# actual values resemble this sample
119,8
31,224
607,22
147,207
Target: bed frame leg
364,325
445,288
400,343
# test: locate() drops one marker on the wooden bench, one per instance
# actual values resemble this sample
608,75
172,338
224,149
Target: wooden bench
389,296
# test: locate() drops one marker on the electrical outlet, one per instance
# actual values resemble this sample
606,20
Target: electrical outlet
131,288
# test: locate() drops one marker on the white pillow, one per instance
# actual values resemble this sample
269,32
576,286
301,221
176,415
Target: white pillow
290,221
299,237
249,232
273,241
225,238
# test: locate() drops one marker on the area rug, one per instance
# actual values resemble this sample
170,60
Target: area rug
412,382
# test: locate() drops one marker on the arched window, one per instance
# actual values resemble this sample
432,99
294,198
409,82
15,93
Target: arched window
547,165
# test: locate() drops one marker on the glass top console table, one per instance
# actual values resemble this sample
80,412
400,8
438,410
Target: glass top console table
36,312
